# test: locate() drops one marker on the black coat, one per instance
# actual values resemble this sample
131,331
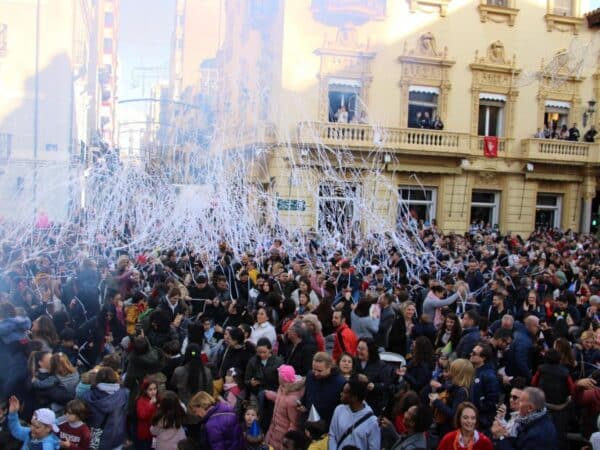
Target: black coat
300,356
380,374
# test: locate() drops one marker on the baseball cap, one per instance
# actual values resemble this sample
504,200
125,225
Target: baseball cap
47,417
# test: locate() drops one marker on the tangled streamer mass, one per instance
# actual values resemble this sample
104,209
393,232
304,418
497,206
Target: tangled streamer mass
135,208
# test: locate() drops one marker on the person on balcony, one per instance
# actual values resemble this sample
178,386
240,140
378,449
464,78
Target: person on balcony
341,116
540,134
574,133
563,133
437,123
590,135
425,121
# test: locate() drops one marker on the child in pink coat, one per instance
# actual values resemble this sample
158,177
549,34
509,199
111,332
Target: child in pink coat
286,416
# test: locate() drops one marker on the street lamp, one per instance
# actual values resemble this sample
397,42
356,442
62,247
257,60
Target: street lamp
589,112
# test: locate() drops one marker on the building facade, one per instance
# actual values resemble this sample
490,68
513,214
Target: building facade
48,103
337,90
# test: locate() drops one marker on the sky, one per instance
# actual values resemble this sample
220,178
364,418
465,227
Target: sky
144,42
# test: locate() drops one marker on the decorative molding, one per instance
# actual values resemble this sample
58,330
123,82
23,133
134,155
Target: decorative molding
568,90
498,14
424,65
494,73
563,23
344,57
560,21
429,6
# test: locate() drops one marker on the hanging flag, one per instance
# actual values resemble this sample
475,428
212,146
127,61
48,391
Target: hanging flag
490,146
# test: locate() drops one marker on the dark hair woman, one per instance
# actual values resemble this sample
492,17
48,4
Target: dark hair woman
193,376
101,331
420,368
374,372
449,334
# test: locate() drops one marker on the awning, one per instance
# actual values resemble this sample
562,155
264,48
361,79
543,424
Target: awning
424,89
492,97
345,82
557,104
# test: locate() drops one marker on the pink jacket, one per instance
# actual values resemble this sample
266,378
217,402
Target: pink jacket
286,416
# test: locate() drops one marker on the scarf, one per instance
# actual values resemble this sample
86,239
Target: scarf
460,443
522,421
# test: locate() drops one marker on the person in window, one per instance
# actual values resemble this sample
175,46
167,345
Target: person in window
425,120
590,134
548,132
437,123
574,133
341,116
539,134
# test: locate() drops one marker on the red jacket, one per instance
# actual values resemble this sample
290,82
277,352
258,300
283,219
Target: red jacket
350,341
145,410
449,442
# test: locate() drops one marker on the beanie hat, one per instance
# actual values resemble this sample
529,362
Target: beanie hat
287,373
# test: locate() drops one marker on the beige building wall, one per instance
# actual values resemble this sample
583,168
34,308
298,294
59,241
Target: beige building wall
42,181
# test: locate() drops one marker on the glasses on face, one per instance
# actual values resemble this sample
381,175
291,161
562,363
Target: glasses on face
474,353
514,398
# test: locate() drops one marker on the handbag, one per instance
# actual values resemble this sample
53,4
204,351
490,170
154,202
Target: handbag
96,434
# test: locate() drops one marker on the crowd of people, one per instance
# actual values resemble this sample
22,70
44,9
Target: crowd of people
495,343
553,131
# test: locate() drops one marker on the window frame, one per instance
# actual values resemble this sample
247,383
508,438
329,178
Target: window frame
495,222
500,121
404,204
557,208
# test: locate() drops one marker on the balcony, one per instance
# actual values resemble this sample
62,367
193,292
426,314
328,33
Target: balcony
552,150
366,137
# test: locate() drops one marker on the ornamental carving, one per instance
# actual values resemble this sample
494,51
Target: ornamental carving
557,82
424,64
494,73
495,55
346,56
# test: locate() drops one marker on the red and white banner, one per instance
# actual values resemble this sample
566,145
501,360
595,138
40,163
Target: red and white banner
490,146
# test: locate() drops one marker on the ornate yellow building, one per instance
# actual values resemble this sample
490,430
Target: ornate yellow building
353,81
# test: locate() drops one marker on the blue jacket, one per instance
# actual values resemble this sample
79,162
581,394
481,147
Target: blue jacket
108,411
518,356
469,339
485,394
323,393
22,433
539,434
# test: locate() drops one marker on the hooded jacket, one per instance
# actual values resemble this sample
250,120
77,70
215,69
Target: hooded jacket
108,408
221,429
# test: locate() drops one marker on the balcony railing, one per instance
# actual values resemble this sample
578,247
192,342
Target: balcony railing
366,136
558,150
504,146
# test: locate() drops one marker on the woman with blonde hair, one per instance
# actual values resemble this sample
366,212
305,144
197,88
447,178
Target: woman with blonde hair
456,391
61,367
587,354
221,429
